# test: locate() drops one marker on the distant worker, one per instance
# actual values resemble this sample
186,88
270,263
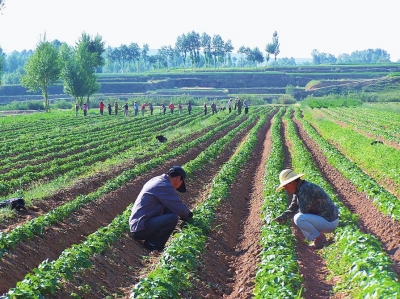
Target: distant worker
239,106
230,105
313,210
180,108
116,107
151,108
109,109
84,108
101,107
171,108
189,107
136,108
76,108
213,108
157,209
126,108
143,108
205,108
246,106
164,108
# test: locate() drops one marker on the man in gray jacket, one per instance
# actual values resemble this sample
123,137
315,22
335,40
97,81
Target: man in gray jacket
158,207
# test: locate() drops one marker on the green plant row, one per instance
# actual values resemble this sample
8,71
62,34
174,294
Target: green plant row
357,258
278,273
387,119
27,174
363,122
50,275
384,200
380,162
182,256
36,226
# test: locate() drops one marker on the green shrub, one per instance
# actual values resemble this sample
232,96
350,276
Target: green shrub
286,99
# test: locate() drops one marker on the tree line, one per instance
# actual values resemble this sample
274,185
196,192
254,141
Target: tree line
366,56
191,50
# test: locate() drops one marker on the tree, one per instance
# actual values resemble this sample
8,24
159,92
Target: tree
42,70
241,51
273,48
217,49
74,77
182,46
257,56
89,53
228,48
316,56
206,45
194,44
134,54
144,55
270,49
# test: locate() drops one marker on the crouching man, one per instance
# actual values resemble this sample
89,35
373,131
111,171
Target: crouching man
313,210
158,208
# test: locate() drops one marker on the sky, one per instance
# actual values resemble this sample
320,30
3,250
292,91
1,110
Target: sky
335,27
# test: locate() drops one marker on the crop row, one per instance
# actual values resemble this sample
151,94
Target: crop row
357,258
278,274
36,226
48,276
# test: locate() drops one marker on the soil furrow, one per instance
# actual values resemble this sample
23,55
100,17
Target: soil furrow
21,260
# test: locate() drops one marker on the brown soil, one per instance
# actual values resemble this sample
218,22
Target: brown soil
229,263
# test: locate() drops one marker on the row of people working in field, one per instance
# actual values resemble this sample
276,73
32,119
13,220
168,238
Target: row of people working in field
237,104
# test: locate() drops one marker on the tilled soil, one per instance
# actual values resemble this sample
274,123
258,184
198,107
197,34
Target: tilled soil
229,262
22,259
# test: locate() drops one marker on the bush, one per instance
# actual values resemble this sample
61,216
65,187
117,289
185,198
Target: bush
286,99
63,104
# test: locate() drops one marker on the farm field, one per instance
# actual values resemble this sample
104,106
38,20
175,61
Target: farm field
80,175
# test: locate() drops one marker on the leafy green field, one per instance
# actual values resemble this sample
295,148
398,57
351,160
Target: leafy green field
80,167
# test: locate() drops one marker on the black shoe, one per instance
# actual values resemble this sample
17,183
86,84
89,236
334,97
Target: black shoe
150,246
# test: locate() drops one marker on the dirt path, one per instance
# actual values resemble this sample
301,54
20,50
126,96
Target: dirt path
371,220
21,260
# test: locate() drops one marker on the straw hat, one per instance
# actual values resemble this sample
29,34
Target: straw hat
286,176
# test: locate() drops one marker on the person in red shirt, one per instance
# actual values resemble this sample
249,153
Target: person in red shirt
143,108
171,107
101,106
